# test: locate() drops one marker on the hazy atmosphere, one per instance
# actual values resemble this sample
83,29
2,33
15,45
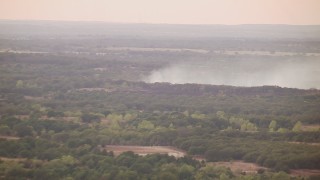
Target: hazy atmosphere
160,89
299,12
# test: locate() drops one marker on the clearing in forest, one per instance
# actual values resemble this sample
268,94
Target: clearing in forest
239,166
305,172
144,150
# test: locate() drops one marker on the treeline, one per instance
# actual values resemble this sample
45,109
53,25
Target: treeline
277,155
198,138
127,166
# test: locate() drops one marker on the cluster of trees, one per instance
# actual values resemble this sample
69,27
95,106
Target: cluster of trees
278,155
42,139
58,111
102,165
126,166
57,79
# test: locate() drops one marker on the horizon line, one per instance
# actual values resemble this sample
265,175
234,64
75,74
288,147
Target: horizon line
152,23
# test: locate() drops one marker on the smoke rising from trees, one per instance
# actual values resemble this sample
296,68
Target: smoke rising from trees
293,74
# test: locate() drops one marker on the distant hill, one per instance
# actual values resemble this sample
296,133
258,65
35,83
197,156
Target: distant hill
159,30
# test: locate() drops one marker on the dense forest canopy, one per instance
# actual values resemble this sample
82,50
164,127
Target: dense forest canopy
68,90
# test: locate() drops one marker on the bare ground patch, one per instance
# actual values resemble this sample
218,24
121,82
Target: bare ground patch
313,127
144,150
22,117
9,137
239,167
34,98
13,159
92,89
305,172
105,121
65,118
305,143
143,49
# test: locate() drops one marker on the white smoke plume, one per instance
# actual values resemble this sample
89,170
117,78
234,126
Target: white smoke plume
293,74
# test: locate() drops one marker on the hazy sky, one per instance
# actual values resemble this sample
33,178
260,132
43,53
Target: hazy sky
166,11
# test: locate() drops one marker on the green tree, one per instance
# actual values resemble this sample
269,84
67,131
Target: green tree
129,116
221,115
68,160
206,173
88,118
186,172
114,116
223,177
280,176
127,175
19,84
198,115
5,130
273,126
283,130
23,130
146,125
142,167
297,127
114,124
166,176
